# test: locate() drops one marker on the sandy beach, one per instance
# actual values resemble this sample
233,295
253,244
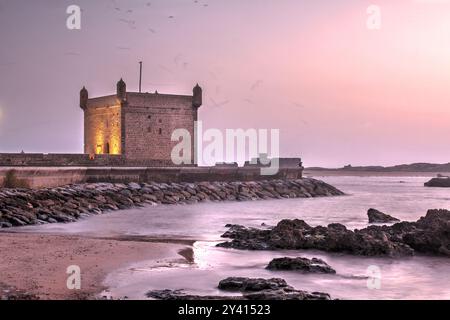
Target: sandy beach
36,265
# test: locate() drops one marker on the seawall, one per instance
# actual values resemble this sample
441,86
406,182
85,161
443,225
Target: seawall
42,177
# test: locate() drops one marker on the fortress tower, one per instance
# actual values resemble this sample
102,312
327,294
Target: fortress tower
137,126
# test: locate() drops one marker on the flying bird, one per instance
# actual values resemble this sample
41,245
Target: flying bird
256,85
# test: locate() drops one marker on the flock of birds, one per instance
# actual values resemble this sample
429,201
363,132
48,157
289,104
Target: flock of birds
178,61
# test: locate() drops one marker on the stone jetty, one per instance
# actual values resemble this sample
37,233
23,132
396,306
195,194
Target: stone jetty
21,207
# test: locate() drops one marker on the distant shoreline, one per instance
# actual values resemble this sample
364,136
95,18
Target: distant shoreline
420,169
369,173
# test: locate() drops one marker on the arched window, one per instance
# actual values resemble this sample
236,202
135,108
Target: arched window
107,148
160,131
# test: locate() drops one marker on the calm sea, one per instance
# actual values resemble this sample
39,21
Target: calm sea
406,198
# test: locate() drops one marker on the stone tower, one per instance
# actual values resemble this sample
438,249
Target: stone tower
137,126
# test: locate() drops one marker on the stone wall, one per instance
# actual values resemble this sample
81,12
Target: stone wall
149,121
39,177
102,126
74,160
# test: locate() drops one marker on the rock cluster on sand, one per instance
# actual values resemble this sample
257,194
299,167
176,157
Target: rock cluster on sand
443,182
305,265
429,235
12,293
376,216
20,207
250,288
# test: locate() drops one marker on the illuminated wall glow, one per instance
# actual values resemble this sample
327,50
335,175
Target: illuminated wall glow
103,128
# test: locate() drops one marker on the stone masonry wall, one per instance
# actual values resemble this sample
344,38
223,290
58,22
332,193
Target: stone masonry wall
39,177
102,130
149,121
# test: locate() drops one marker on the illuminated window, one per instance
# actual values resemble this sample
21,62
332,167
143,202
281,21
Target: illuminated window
98,150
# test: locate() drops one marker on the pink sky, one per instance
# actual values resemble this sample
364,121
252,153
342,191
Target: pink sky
339,93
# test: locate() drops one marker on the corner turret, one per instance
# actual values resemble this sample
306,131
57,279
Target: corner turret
84,96
121,90
197,97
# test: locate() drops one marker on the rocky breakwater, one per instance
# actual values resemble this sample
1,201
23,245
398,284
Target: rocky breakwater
20,207
428,235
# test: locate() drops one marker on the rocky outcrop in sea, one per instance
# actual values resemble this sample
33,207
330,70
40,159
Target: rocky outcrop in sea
250,289
20,207
428,235
300,264
376,216
441,182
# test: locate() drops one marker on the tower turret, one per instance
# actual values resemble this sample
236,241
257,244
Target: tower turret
121,90
197,97
84,96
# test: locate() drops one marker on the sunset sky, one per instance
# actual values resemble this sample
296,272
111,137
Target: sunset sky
339,92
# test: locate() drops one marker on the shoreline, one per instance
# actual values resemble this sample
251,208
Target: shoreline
39,271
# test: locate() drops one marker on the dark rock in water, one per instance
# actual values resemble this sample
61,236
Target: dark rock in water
301,264
438,183
429,235
181,295
376,216
251,284
251,289
268,289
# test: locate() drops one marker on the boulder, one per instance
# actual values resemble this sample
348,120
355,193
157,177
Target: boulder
376,216
249,288
301,264
438,183
251,284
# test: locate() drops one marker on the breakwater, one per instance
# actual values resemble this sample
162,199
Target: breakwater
43,177
20,207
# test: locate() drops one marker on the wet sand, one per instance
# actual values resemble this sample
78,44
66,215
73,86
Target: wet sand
36,264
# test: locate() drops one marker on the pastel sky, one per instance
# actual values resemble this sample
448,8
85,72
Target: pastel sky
339,92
